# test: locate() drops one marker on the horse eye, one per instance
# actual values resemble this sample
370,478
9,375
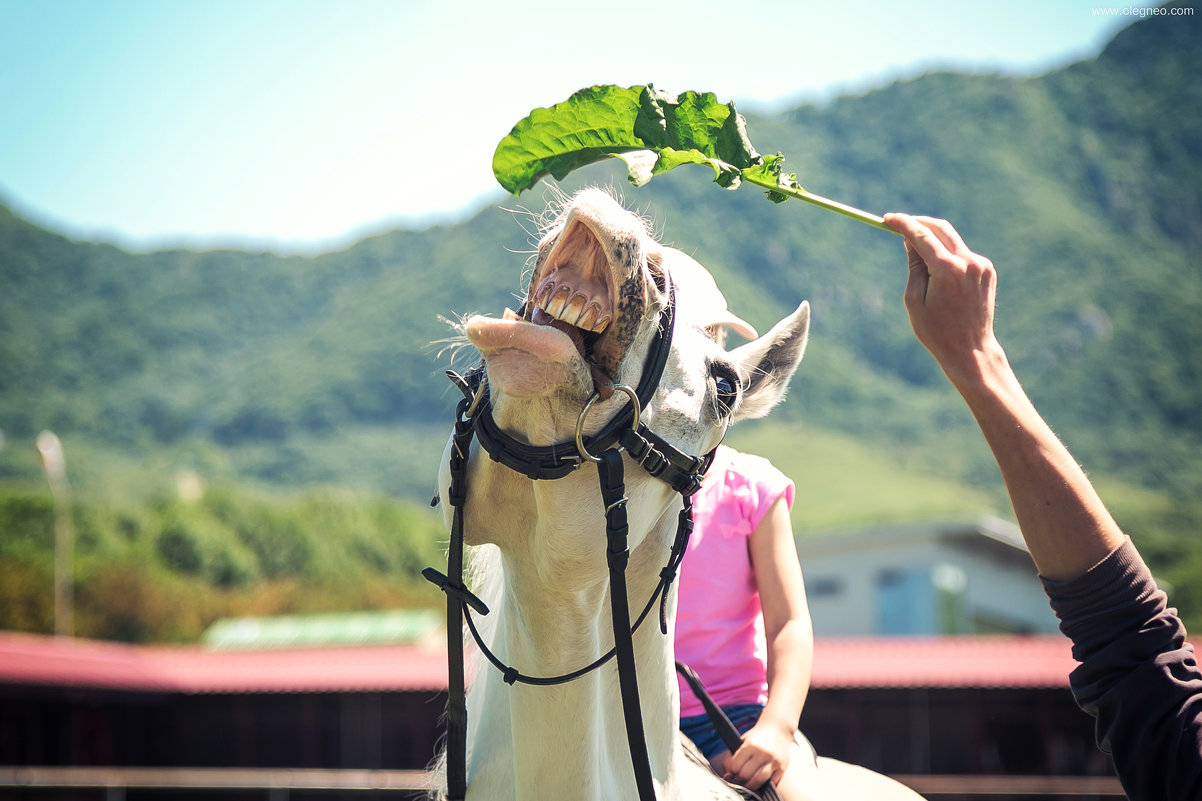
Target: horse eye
727,393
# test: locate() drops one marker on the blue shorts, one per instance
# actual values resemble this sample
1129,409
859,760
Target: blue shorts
701,731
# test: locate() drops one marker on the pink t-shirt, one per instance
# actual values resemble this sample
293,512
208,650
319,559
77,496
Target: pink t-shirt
719,622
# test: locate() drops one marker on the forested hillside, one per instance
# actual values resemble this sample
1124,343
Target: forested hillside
1084,186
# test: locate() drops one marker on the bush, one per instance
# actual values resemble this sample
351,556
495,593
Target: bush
166,569
126,602
179,550
26,522
26,596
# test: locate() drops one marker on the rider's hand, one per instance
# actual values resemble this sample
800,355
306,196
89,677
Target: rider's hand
764,755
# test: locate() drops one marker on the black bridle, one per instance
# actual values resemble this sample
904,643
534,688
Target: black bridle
625,432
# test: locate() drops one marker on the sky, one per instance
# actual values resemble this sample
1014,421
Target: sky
300,126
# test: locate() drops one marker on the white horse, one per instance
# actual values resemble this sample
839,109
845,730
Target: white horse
591,320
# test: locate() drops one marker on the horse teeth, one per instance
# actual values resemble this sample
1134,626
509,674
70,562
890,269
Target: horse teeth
566,303
594,319
558,302
573,311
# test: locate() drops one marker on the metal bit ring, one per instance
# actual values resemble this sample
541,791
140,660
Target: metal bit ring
634,401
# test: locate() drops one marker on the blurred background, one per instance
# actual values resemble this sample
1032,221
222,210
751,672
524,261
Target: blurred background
232,236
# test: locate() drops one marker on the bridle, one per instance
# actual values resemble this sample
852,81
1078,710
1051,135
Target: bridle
626,432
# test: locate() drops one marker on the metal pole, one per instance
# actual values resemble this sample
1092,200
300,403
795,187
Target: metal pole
54,465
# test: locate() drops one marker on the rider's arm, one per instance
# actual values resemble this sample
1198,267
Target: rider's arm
765,751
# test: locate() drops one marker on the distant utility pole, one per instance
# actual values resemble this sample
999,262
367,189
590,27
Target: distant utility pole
54,465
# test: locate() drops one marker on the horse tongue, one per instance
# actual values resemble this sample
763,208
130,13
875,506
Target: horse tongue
540,317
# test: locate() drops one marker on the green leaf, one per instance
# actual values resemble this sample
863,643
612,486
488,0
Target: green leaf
652,132
770,171
592,125
601,122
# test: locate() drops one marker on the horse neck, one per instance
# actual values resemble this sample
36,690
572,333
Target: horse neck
551,617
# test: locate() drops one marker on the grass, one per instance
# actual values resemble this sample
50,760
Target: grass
844,483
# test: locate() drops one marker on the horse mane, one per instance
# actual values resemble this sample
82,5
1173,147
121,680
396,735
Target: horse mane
484,574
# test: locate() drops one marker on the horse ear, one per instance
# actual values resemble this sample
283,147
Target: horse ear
659,272
769,362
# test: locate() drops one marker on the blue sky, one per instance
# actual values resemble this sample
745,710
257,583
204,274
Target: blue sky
300,126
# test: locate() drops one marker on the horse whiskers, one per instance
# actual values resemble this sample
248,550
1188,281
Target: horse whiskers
452,346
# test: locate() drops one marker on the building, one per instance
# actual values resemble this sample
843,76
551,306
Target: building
72,702
972,577
996,705
958,712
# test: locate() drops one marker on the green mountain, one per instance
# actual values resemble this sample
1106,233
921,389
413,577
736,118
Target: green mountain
1083,185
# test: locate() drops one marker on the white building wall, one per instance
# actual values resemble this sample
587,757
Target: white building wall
1000,589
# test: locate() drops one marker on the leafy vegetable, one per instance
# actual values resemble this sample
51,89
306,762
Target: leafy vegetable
652,132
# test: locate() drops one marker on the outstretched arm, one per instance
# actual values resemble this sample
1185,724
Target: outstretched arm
950,300
1137,676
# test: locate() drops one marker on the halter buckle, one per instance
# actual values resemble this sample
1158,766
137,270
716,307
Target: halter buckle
481,391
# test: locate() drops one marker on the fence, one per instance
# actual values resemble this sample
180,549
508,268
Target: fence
278,785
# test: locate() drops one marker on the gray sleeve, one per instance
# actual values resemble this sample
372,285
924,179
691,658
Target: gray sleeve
1138,676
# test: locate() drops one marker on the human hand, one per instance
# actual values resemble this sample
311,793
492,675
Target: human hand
950,296
763,756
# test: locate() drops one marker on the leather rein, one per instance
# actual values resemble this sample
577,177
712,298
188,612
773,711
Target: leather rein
625,432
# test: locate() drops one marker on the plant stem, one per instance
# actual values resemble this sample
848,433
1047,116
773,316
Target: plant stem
826,203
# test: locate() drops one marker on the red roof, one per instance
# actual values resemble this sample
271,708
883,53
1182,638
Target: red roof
839,662
1042,660
40,660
